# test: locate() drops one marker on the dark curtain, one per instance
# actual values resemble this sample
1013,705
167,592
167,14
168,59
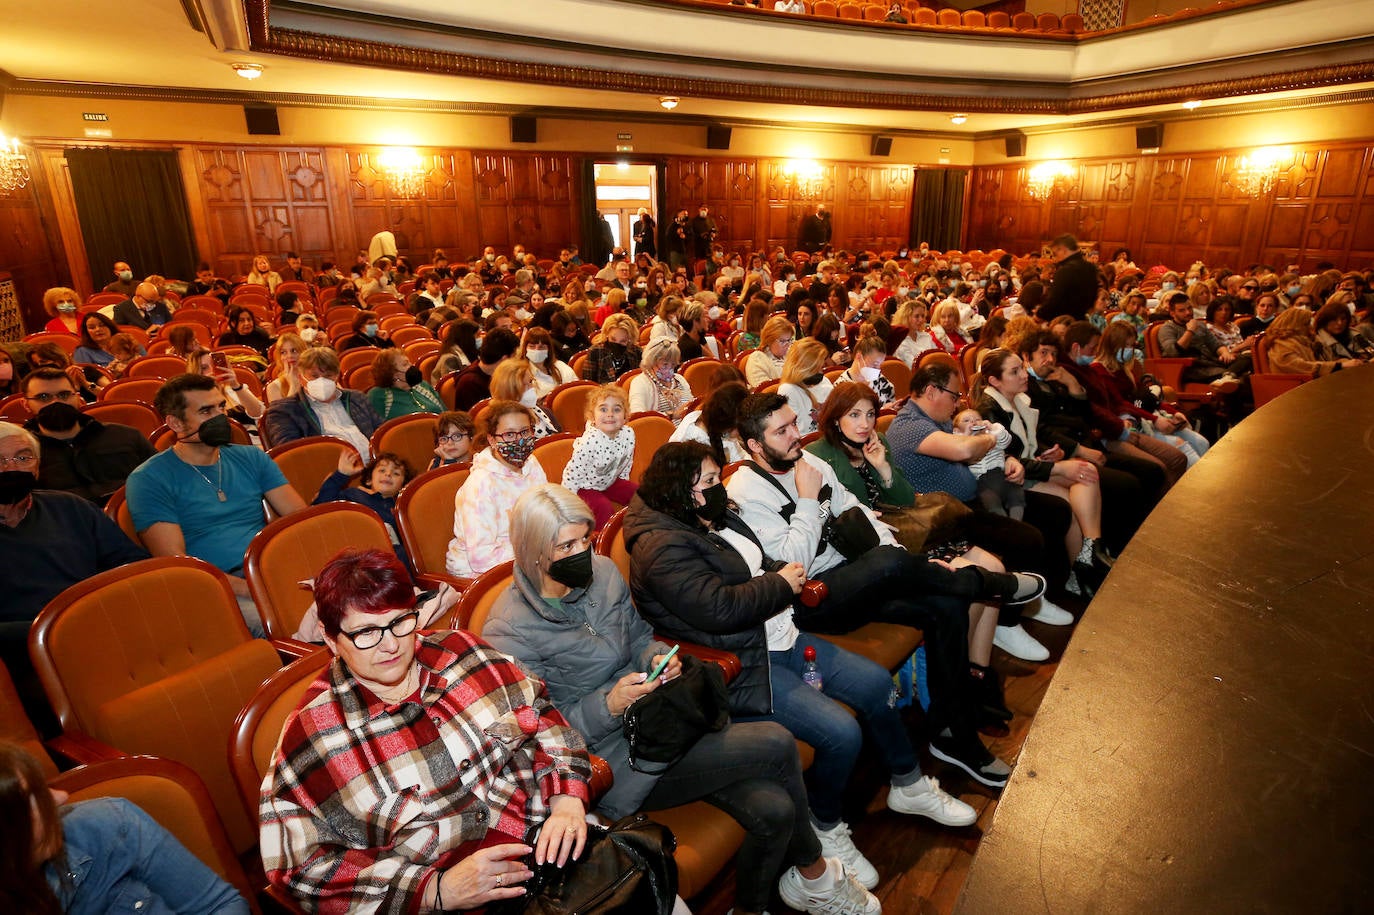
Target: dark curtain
132,208
937,207
663,216
594,249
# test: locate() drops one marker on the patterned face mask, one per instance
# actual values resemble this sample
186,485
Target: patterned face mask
516,453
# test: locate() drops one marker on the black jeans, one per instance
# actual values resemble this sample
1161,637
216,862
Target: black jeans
751,771
1033,545
888,584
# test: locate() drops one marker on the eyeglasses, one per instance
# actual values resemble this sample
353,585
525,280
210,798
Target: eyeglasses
509,437
1250,288
371,636
24,460
955,394
63,396
453,439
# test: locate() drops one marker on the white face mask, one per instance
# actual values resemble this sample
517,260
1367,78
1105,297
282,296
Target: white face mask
309,333
869,375
715,312
523,315
321,389
536,355
530,397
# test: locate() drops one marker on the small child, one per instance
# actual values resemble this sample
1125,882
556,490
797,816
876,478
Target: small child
599,469
452,439
381,482
998,495
1098,316
125,349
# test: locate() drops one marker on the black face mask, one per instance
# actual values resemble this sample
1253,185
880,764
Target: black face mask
215,431
716,504
58,416
15,486
414,376
857,446
615,349
811,380
575,571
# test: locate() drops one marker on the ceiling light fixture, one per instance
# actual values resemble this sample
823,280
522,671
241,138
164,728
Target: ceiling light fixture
1256,174
958,118
404,171
248,71
1192,104
669,102
14,166
1044,178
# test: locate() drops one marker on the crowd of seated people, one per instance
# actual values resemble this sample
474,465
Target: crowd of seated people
1030,401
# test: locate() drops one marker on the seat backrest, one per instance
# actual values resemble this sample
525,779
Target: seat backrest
478,598
825,8
896,371
850,11
174,796
154,657
553,452
353,358
651,433
698,373
161,367
308,462
448,390
424,516
625,379
568,403
15,409
358,378
142,390
1023,22
874,12
418,350
968,358
117,510
932,357
925,16
16,727
67,342
410,334
412,437
296,547
974,19
257,730
1072,23
127,413
1153,351
1261,351
1047,22
948,17
611,543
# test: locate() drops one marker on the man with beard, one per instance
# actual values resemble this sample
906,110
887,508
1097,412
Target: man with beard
800,512
52,540
81,455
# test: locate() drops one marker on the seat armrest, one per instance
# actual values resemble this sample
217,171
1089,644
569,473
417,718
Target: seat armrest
729,662
601,781
293,649
277,901
431,581
81,749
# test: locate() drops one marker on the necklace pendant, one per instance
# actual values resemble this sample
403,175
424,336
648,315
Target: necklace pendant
222,496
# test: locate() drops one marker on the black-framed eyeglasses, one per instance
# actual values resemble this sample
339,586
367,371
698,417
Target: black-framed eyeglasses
371,636
1250,288
955,394
455,438
63,396
509,437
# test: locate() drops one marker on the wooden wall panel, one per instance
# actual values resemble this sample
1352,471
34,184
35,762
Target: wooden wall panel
27,253
1178,209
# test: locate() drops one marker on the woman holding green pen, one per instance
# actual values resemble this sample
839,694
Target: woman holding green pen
568,619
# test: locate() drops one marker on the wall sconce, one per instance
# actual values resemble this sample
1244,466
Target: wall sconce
805,176
1042,179
404,171
1256,174
14,166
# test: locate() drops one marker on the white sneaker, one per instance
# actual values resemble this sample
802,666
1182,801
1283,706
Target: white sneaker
924,797
844,897
837,843
1050,613
1018,643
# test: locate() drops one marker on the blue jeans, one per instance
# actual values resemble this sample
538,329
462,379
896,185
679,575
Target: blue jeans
118,859
816,717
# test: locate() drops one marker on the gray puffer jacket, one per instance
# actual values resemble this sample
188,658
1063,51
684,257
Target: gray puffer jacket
580,649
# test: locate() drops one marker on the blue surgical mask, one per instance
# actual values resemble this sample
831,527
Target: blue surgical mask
982,283
1294,290
1083,359
1033,373
1168,286
1125,354
370,330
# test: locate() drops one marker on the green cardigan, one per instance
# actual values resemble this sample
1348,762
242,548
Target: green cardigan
899,493
393,402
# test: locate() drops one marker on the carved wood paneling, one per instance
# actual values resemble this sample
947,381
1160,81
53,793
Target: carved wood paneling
27,255
524,198
259,200
1177,209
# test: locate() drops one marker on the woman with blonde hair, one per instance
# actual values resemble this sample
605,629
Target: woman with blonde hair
514,380
262,274
1292,347
615,351
765,363
946,333
665,325
912,315
614,304
286,376
659,387
804,383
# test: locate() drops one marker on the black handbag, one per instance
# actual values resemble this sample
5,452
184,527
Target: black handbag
625,870
850,532
662,726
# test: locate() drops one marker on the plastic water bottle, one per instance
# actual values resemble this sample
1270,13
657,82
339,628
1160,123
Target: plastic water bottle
811,673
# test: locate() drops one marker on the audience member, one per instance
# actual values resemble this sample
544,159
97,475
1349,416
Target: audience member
367,332
514,380
286,367
296,271
145,309
61,304
321,407
1292,347
123,283
804,383
474,382
537,349
599,468
659,387
379,482
262,274
452,439
766,363
399,388
1184,335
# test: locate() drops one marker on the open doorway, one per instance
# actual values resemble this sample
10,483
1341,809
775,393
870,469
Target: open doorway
622,188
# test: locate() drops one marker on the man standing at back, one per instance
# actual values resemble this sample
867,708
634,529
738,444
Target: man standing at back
1074,288
203,496
814,233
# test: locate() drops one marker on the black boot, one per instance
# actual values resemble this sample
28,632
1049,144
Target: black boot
987,689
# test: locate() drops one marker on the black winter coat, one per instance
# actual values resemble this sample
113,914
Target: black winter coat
690,584
1073,289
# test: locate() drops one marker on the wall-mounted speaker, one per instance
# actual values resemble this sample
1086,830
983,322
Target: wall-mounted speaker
524,129
717,137
880,146
262,120
1016,144
1149,136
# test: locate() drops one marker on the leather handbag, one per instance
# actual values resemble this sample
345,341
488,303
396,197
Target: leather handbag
931,521
663,725
627,869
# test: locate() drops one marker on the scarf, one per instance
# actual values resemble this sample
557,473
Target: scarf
1024,419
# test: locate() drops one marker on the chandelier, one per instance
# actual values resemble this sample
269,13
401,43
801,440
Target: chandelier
14,166
404,171
1042,179
1256,174
805,176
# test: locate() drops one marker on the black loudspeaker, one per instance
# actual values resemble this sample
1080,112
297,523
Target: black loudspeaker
524,129
880,146
1016,144
717,137
262,120
1149,136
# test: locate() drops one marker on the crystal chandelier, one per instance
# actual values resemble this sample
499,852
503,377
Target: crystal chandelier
1256,174
806,177
14,166
404,171
1042,179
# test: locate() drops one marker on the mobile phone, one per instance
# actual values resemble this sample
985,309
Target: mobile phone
219,362
654,674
